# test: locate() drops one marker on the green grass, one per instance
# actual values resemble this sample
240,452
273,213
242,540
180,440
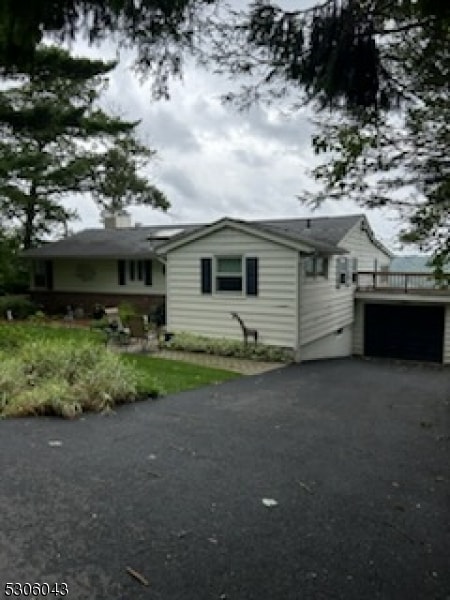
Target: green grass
172,375
50,370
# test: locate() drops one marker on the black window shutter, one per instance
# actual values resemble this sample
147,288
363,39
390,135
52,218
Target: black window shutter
121,266
132,270
206,269
338,271
49,274
148,272
252,276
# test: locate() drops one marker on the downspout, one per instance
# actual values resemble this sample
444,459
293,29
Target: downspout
297,351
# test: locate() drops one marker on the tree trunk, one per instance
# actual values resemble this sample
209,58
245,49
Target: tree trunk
30,215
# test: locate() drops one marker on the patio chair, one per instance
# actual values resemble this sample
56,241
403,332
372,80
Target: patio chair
115,331
138,331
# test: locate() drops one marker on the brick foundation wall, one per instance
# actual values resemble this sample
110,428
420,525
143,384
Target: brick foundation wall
55,303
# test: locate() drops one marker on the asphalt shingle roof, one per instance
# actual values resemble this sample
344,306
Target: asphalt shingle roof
325,233
326,230
104,243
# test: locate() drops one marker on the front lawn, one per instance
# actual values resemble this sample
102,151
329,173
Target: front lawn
66,371
173,376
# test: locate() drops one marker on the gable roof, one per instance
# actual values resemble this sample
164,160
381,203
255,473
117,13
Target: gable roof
327,230
320,234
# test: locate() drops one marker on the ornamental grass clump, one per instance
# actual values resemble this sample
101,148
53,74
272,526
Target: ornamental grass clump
65,378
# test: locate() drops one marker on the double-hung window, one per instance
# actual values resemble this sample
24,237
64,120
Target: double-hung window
236,275
134,271
229,274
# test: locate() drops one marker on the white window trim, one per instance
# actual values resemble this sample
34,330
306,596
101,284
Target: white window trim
216,274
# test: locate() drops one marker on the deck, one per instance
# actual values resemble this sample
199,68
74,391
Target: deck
389,282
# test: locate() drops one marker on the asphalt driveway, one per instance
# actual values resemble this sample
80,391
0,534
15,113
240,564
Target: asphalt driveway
355,454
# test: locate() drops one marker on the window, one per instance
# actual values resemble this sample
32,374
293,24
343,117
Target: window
140,270
39,274
134,270
309,266
321,266
342,272
316,266
354,270
43,274
229,274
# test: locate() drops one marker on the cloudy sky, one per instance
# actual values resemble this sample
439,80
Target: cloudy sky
212,160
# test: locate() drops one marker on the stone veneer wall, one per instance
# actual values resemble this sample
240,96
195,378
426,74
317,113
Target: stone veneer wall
56,302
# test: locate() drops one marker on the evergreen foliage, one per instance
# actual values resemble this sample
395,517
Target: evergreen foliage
56,141
381,66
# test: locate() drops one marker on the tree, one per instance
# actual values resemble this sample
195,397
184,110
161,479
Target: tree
51,130
160,30
397,158
14,277
118,183
373,63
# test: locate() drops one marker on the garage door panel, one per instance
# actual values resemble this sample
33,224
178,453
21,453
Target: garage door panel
404,331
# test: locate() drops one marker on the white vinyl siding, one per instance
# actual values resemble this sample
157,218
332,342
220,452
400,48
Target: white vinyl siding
334,345
273,312
327,310
77,275
324,308
359,245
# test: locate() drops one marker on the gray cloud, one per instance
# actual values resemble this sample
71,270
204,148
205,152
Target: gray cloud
214,161
179,181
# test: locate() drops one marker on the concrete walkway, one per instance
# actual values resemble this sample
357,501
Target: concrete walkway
244,366
238,365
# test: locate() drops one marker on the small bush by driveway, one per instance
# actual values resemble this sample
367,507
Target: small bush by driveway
318,481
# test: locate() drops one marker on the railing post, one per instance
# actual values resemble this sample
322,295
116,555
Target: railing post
406,283
374,280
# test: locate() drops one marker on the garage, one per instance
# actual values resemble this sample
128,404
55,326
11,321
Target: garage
410,332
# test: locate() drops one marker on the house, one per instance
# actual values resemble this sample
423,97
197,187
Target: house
102,266
292,280
305,284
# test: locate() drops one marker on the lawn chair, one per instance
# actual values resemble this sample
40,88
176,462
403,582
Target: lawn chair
115,331
138,331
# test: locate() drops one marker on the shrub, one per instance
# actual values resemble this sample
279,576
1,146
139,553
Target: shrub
225,347
15,335
63,378
126,311
20,306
